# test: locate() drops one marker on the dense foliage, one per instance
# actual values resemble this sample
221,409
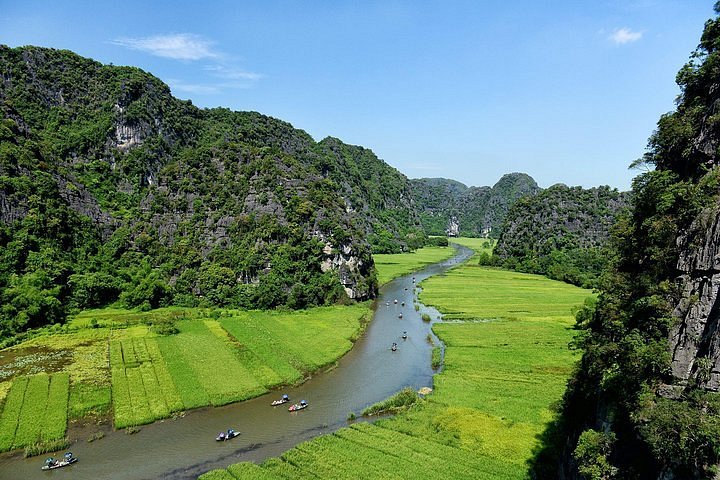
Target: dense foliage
654,428
477,211
561,232
488,405
380,192
111,189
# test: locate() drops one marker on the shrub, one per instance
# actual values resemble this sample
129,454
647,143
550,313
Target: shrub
400,401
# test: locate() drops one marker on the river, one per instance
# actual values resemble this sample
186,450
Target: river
185,447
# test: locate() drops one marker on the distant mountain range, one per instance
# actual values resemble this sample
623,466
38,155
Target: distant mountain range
113,190
450,207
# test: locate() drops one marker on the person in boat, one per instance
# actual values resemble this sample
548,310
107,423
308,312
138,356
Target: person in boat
231,433
285,397
68,456
396,300
51,462
221,435
404,335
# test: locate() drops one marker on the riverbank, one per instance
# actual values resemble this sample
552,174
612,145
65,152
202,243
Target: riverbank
123,368
183,447
506,363
391,266
111,365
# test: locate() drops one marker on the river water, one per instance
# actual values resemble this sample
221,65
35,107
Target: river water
185,447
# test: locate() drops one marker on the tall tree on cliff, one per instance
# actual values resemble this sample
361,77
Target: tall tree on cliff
643,402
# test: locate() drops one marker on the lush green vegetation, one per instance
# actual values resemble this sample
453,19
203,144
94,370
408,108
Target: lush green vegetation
480,246
626,363
35,411
506,364
478,210
400,401
561,232
370,184
390,266
216,357
118,193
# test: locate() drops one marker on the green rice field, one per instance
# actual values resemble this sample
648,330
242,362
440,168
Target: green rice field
390,266
506,362
109,362
35,411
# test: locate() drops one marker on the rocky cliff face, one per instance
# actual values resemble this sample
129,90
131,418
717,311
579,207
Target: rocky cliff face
695,336
645,402
379,194
582,217
198,197
478,211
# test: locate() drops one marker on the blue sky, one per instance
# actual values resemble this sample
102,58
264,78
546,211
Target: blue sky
567,91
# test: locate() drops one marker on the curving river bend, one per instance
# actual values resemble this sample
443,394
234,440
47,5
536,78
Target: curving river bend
184,448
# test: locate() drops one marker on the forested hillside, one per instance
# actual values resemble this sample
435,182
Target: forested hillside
448,206
643,402
112,189
561,232
379,193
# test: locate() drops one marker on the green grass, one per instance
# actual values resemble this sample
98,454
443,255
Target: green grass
506,362
217,475
11,412
56,413
436,357
35,411
478,245
390,266
402,400
283,347
122,368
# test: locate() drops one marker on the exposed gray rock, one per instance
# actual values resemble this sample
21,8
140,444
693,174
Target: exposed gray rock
694,339
10,210
453,229
348,265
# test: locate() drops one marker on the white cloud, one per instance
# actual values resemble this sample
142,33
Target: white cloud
232,73
621,36
180,46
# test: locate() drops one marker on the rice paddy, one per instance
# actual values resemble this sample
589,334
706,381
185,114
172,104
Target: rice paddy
506,362
35,411
109,362
390,266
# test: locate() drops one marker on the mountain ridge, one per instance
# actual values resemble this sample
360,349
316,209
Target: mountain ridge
112,189
474,211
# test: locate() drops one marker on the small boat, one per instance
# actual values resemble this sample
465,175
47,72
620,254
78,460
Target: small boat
298,406
396,301
400,316
229,435
394,347
51,463
284,399
404,336
403,304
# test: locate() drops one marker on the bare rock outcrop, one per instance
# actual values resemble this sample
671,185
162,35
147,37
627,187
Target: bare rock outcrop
695,339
